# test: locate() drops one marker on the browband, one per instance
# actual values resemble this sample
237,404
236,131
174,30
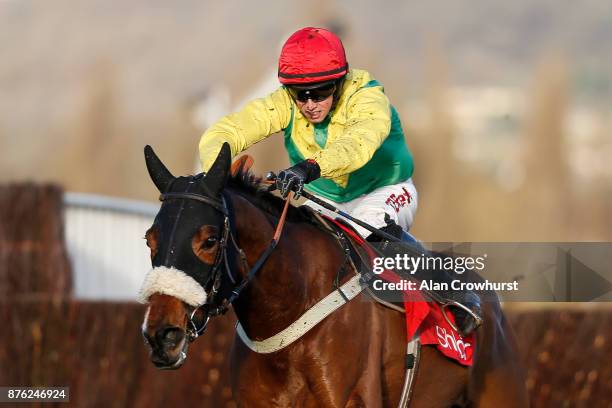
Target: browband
217,204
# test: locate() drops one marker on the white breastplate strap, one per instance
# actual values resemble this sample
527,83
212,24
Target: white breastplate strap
307,321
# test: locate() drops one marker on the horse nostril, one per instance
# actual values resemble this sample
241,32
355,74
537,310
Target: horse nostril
171,336
148,339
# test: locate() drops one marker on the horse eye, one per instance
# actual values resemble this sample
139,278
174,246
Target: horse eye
210,242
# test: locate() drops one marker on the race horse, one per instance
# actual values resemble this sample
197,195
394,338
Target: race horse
210,234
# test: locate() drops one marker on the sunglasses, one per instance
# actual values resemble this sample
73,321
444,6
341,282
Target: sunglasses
316,95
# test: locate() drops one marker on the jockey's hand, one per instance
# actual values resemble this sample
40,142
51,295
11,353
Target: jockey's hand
391,228
294,178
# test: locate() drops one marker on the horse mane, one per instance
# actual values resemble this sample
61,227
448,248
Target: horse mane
254,189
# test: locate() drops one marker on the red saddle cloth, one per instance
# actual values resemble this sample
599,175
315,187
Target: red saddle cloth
423,318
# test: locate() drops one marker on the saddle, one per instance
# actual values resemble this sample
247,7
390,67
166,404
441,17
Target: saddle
361,254
426,321
425,318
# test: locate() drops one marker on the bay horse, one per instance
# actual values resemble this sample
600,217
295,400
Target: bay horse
208,231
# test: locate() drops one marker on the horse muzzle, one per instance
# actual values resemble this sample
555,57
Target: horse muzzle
168,348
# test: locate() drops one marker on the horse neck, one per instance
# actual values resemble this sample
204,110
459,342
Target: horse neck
299,272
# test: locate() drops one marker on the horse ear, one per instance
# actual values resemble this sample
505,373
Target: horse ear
219,171
157,171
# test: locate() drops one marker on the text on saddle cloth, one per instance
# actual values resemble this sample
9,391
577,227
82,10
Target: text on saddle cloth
422,317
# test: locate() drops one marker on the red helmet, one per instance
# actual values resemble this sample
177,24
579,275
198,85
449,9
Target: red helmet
311,55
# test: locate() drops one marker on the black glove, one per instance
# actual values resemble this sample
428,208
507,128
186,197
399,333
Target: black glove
294,178
391,228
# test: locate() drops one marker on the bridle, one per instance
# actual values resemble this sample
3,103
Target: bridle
211,308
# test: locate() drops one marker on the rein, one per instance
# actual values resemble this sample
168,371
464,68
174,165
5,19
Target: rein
264,256
221,258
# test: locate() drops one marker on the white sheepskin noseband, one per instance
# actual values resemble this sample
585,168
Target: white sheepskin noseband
172,282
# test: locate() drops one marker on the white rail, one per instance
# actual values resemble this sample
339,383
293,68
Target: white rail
104,237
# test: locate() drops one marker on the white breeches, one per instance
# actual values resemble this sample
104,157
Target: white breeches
398,200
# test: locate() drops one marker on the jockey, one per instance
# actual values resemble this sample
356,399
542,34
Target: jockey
344,139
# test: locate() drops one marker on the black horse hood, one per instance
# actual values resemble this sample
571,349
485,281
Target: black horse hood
177,271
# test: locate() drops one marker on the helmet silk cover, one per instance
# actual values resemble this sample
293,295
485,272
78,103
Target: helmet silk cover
312,55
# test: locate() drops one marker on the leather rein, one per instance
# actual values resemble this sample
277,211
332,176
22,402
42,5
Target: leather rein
221,260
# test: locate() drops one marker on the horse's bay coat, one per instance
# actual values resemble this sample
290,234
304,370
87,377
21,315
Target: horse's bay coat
355,357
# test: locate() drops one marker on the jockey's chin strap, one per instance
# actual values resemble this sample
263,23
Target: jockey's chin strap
221,259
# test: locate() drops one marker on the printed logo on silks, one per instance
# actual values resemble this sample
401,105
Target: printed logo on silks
399,201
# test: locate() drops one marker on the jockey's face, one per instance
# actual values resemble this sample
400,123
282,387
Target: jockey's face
316,112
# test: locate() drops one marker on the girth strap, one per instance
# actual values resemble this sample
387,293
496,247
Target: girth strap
413,357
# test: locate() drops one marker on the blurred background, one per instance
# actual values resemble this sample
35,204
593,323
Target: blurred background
506,107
